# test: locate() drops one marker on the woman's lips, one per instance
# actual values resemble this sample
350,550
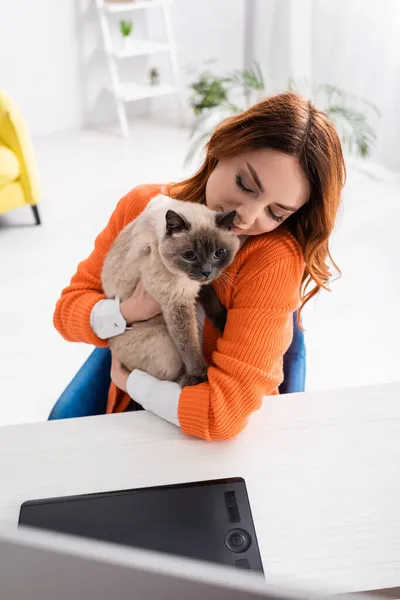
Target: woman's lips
237,229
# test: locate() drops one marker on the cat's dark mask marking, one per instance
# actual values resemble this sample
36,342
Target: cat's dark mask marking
175,223
225,220
203,242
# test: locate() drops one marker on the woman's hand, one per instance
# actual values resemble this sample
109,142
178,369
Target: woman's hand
140,306
119,375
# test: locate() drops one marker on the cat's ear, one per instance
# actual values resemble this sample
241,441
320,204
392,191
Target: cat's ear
225,220
175,223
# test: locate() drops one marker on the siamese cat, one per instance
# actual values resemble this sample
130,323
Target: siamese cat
176,249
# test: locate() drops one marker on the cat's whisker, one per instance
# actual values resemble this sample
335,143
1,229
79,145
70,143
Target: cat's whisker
227,281
230,280
223,284
224,274
228,276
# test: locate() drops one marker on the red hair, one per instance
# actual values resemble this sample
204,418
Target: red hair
288,123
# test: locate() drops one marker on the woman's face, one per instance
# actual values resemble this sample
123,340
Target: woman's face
264,186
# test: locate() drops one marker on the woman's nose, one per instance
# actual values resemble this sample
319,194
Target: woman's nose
247,214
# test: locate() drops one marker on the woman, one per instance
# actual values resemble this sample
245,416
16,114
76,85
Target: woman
280,166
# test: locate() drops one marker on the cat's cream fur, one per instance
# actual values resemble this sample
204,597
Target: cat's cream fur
168,345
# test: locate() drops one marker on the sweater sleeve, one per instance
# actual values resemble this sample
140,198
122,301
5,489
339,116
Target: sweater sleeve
73,309
248,361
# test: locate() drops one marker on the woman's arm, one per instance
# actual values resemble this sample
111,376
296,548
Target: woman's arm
75,316
247,364
110,317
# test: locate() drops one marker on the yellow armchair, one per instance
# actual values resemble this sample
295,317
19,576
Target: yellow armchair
19,182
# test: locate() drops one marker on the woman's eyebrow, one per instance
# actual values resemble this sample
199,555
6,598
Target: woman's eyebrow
284,207
254,175
258,183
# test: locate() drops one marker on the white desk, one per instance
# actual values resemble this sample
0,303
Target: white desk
322,471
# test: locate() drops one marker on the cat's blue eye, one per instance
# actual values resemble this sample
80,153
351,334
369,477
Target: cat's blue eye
189,255
220,253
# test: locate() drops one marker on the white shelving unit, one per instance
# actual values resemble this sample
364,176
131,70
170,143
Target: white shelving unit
129,91
116,7
140,48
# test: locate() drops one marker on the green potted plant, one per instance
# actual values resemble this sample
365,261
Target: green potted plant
154,76
208,92
215,98
126,28
352,116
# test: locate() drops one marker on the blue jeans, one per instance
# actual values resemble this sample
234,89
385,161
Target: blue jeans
87,393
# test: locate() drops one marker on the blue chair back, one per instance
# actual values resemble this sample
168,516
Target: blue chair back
87,393
294,363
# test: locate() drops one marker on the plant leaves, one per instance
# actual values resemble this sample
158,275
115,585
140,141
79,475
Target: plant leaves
360,136
125,27
248,78
212,96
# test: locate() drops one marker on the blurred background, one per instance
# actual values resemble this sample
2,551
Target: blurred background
97,97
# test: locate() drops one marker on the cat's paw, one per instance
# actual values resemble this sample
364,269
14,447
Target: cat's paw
190,380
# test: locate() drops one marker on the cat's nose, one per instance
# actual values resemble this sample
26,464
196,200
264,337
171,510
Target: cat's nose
206,270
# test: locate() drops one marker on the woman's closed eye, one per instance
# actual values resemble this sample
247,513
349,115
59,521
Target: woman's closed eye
241,185
270,212
277,218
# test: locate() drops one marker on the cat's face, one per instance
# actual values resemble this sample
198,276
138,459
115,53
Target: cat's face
200,251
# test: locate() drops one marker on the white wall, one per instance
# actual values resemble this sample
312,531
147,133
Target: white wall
282,40
354,44
52,64
209,29
357,47
39,62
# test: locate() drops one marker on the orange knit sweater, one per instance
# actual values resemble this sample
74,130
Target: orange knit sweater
245,363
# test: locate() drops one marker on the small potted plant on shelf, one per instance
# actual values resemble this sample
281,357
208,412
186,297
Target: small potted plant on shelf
125,28
154,76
